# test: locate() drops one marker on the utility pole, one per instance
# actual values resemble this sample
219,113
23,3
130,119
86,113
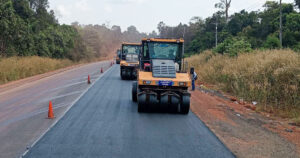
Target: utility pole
280,27
184,65
216,31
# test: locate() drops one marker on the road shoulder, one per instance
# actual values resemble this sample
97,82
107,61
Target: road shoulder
245,132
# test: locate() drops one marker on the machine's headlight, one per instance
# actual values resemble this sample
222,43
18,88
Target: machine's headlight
132,57
182,84
128,57
135,57
147,82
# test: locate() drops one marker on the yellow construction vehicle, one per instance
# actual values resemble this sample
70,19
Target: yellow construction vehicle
162,83
118,57
129,60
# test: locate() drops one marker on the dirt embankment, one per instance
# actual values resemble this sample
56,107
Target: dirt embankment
245,132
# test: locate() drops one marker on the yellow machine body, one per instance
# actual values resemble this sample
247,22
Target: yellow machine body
162,82
181,80
129,64
125,63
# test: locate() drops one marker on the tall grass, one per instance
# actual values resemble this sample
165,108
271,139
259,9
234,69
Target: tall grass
270,77
15,68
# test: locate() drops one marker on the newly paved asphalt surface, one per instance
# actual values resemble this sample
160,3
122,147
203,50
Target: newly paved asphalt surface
23,108
105,123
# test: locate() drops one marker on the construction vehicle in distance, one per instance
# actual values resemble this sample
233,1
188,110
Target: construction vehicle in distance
162,83
118,57
129,60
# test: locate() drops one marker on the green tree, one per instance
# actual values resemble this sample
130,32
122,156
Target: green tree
233,46
241,20
297,3
272,42
225,5
12,30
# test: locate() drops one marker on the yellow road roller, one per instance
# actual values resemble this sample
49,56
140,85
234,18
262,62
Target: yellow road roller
162,83
129,60
118,56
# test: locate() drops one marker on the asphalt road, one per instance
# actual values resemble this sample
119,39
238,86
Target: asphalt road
23,109
105,123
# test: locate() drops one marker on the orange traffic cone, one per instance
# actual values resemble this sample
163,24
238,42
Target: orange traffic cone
50,111
101,70
89,79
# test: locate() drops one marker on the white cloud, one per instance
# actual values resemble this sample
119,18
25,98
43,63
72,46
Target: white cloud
108,8
126,1
82,5
61,11
134,1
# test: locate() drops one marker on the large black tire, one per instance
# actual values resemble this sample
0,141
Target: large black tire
164,104
174,104
185,105
153,102
134,91
141,102
122,74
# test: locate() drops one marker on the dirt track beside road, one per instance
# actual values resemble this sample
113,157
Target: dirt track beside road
242,130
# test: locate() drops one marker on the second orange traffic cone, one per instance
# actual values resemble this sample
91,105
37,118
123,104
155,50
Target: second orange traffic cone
50,111
89,79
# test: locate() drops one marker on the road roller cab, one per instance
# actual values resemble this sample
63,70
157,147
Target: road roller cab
162,83
129,60
118,57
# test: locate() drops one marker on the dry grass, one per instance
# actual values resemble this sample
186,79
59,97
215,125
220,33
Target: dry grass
15,68
270,77
296,121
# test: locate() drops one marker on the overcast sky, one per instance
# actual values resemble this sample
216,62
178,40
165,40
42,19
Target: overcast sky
144,14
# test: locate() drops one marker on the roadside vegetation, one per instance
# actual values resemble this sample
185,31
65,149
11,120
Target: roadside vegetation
256,29
33,42
15,68
247,60
269,77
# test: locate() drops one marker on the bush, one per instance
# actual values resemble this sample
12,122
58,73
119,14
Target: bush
296,48
272,42
270,77
233,46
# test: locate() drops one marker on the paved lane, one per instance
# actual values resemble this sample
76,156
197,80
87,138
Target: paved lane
23,109
105,123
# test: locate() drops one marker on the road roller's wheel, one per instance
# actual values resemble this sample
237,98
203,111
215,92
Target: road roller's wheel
141,102
130,74
185,105
174,104
134,91
122,74
140,108
153,102
164,103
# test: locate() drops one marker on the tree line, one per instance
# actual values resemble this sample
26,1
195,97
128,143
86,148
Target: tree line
28,28
240,32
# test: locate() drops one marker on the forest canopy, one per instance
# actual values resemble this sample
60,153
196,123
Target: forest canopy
29,28
251,30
